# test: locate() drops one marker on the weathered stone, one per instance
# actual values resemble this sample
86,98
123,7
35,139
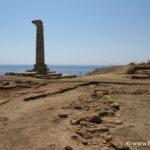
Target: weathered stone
118,121
75,137
107,139
95,119
115,105
99,129
85,135
79,139
73,122
98,109
63,115
92,119
40,65
77,121
86,123
114,120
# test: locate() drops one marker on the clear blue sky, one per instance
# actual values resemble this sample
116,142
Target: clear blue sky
76,31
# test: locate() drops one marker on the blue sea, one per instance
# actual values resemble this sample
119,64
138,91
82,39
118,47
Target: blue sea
79,70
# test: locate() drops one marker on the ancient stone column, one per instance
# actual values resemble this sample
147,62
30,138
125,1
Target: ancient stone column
40,65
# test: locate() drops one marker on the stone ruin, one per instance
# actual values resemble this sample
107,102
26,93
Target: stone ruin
40,69
40,65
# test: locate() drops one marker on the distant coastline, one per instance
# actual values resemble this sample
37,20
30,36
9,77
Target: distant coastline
78,70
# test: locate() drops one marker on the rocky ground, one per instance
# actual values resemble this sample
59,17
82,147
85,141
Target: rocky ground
95,112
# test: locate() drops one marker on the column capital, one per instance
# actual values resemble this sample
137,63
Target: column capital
37,22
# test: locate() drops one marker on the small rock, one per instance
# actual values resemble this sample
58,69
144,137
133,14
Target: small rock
95,119
108,138
85,135
107,114
63,115
75,137
73,122
104,142
86,123
114,120
98,109
84,142
98,129
68,148
115,105
118,121
77,107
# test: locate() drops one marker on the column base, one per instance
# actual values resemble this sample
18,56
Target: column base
41,69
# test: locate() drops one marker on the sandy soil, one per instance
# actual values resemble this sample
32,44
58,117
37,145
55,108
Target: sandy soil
98,112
